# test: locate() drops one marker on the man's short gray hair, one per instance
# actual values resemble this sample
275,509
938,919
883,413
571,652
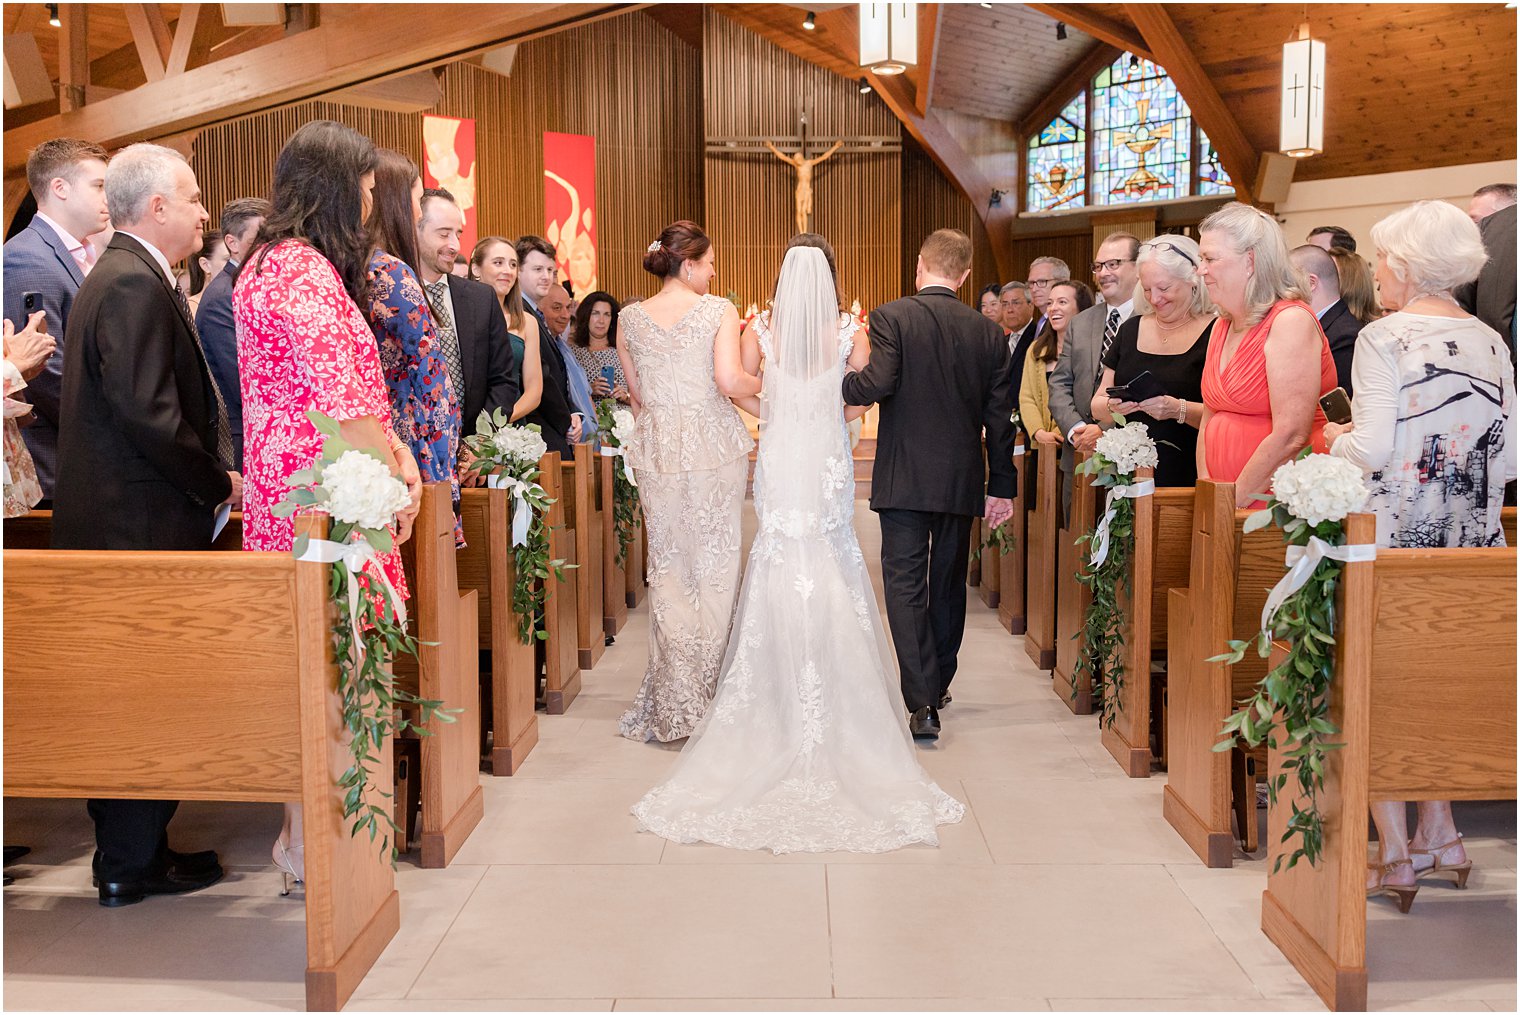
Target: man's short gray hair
1061,270
1022,287
133,176
1431,246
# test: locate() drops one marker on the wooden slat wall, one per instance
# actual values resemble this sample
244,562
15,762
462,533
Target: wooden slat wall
930,202
1075,249
753,87
599,79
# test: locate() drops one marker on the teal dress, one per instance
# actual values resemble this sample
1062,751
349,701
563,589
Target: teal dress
519,352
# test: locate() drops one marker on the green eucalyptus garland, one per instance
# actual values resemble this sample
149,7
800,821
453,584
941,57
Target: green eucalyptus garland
625,496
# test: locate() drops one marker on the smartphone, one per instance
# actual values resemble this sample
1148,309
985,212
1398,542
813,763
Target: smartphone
1337,406
1139,388
608,373
31,302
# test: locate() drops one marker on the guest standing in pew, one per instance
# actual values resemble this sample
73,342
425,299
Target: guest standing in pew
556,414
1357,288
555,310
26,353
1433,426
1268,361
1018,311
494,262
50,259
593,343
424,400
144,455
1167,337
1067,300
990,302
205,267
239,224
1043,273
1322,281
303,344
1331,237
1491,296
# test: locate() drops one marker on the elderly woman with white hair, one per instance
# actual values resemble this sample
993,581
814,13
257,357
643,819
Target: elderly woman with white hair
1433,427
1268,361
1167,338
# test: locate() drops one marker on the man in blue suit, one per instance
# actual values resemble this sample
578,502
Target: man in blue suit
240,224
46,263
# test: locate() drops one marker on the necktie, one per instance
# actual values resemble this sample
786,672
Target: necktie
223,433
448,337
1109,331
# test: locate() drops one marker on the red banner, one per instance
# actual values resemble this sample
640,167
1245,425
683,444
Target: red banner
569,207
448,147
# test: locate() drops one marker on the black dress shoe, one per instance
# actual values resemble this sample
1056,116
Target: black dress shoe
945,699
924,724
188,864
170,882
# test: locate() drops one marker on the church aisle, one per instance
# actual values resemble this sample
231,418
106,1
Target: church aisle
556,903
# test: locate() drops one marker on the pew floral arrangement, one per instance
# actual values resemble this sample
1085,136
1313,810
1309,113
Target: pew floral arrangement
1311,499
354,487
508,456
616,429
1121,452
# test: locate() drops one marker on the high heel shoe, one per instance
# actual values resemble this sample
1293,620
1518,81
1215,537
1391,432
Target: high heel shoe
1404,894
1461,870
285,857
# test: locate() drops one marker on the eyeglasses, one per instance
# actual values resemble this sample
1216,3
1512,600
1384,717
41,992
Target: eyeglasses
1042,283
1112,264
1176,250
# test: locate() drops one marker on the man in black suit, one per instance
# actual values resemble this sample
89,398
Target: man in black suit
240,224
143,451
556,415
470,325
1043,273
1491,297
940,371
1335,318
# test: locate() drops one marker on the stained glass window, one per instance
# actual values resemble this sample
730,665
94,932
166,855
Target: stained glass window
1142,135
1212,179
1058,160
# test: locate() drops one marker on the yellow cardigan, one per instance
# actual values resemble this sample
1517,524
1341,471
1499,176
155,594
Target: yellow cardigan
1034,397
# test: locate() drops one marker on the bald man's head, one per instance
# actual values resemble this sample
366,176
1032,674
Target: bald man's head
1320,273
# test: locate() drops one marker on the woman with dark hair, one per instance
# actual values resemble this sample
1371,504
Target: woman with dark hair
494,262
690,455
593,343
1356,284
424,401
304,345
1068,298
990,302
205,266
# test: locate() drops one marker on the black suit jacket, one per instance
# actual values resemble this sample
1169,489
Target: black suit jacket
1341,329
553,412
1016,362
484,349
137,465
940,371
1491,298
213,319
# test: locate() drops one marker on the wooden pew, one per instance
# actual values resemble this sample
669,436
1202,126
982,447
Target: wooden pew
1409,621
1163,534
1230,574
447,669
1072,597
198,676
561,652
590,632
34,531
1044,520
1012,565
487,568
638,558
614,575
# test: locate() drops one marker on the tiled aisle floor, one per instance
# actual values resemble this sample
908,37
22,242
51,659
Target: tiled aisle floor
1062,889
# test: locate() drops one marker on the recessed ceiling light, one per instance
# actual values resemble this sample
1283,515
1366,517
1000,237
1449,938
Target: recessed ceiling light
52,10
808,22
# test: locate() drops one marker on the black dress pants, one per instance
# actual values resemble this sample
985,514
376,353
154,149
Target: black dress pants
923,569
132,836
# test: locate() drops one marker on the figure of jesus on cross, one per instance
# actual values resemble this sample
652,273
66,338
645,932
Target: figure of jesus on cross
804,169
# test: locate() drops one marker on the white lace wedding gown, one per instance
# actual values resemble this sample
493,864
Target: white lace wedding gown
805,745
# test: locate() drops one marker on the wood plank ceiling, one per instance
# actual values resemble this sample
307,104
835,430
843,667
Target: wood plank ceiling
998,61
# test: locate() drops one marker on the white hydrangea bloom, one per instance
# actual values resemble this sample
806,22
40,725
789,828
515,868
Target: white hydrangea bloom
1128,447
622,426
519,443
1320,488
361,491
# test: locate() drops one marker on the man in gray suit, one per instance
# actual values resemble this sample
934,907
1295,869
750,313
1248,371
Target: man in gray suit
1491,297
1089,336
46,263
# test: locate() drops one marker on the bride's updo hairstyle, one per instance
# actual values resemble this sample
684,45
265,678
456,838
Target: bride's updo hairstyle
680,242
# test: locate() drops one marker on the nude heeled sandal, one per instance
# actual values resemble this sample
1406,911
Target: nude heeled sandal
1461,870
1404,894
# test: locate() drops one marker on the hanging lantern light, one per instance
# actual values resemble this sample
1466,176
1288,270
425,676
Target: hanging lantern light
888,37
1302,131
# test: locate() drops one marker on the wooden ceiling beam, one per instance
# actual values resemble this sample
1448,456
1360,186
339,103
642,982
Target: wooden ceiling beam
335,55
1240,157
405,93
1079,77
193,35
73,55
1115,33
151,36
929,17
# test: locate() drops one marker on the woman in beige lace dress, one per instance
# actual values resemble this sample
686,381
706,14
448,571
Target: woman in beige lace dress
690,457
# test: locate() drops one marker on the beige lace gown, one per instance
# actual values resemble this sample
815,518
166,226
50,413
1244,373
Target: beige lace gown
690,456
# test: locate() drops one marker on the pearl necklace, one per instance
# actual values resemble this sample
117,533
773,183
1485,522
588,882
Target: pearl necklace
1179,324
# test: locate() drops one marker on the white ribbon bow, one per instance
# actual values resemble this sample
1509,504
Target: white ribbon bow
611,452
522,512
1301,561
354,556
1144,488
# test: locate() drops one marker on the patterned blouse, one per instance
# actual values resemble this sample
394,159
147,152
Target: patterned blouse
593,361
424,406
22,490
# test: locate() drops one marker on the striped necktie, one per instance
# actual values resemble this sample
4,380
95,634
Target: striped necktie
223,433
448,336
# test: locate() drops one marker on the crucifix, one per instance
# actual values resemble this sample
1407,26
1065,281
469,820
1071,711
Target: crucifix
809,152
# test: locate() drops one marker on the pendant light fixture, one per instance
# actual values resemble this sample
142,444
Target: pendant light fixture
1302,132
888,37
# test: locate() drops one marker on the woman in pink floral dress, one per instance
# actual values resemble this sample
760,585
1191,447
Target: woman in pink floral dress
303,345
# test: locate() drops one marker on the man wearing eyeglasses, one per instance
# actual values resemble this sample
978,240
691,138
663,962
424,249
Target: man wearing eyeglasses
1043,273
1089,336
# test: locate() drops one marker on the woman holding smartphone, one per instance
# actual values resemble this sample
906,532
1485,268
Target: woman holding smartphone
593,342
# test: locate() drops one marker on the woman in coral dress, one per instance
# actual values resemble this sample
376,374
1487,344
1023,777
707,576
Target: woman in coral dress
304,345
1268,361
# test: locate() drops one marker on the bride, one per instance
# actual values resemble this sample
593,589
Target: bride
804,746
